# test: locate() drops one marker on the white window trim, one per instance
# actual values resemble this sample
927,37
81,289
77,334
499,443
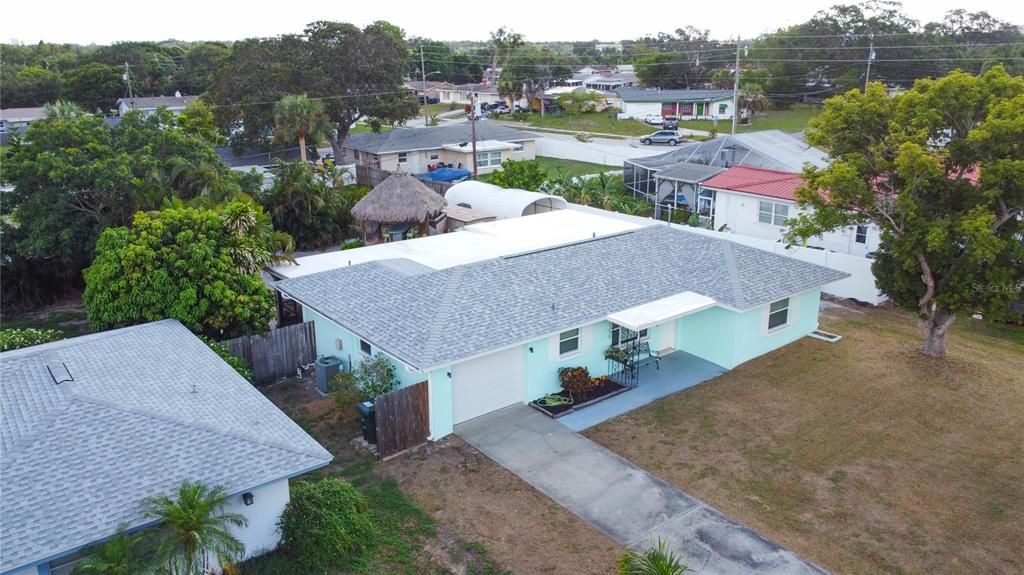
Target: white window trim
579,343
368,344
775,213
856,234
641,337
403,157
791,315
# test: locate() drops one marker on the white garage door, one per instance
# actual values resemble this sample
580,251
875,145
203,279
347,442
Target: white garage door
488,383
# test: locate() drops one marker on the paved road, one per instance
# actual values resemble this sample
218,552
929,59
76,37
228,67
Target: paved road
622,500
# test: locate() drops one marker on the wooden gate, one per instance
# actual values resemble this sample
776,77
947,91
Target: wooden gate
403,419
277,354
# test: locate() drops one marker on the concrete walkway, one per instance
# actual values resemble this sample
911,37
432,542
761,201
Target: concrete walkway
621,500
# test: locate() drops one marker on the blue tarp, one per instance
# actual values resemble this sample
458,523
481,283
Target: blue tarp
445,175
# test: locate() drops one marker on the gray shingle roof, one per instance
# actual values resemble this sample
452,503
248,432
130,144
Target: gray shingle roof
408,139
652,95
149,406
436,318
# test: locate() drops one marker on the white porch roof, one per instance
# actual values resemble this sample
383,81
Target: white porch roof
662,310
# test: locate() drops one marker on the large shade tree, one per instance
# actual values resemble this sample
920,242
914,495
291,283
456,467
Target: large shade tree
94,87
940,171
359,74
299,117
199,266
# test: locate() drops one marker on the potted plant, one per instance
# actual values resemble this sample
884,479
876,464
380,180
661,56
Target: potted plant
617,354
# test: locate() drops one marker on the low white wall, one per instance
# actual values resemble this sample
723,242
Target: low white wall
595,152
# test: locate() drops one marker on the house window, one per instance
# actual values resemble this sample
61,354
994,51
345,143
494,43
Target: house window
722,108
772,213
862,235
487,159
569,341
446,95
403,157
778,314
355,154
364,347
434,155
686,109
517,148
625,336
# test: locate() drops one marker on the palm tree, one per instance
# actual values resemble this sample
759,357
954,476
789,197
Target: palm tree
657,560
194,527
257,244
299,118
122,554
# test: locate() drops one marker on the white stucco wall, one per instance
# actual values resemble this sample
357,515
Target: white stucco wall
740,213
30,570
261,534
640,109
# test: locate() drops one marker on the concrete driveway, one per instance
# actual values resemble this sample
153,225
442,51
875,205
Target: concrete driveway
621,500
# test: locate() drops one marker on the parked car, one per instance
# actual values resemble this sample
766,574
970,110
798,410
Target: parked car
500,108
670,137
653,119
670,123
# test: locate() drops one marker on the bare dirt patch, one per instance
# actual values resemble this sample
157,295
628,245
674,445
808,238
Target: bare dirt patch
862,455
522,529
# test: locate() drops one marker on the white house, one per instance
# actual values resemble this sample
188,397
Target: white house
149,104
684,104
93,425
756,202
488,314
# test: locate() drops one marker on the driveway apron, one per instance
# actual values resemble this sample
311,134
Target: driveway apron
623,501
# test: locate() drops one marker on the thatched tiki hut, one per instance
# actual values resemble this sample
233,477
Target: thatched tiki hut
396,205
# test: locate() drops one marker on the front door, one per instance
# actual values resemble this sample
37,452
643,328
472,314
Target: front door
667,336
700,109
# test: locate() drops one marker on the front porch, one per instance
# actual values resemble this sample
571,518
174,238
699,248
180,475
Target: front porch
673,372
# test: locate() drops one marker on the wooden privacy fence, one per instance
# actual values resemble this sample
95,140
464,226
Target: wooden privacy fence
370,177
403,419
277,354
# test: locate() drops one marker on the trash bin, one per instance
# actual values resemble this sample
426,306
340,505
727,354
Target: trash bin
368,419
326,368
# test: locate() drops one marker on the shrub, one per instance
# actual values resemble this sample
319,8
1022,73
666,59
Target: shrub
239,364
375,376
346,390
659,560
575,379
522,174
326,525
19,338
352,244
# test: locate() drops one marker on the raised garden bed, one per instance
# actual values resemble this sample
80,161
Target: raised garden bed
603,390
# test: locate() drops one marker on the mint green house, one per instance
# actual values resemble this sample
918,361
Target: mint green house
494,332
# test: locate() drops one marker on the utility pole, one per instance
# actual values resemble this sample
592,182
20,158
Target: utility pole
423,70
472,127
871,56
736,88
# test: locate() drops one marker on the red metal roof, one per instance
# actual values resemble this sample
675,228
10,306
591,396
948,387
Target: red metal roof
757,181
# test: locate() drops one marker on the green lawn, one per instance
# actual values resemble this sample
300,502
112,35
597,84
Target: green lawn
572,167
360,128
792,120
435,109
598,122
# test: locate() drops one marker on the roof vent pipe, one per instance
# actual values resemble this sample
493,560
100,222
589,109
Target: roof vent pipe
60,373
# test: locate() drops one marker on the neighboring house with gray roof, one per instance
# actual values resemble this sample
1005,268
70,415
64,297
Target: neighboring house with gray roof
93,425
412,150
684,104
149,104
494,332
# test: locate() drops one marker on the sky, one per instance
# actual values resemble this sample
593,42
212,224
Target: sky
88,22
